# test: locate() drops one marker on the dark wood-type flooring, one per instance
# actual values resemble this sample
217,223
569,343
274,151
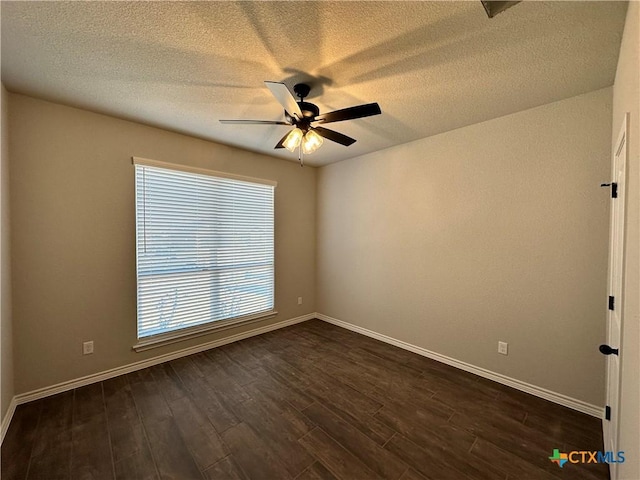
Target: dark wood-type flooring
308,402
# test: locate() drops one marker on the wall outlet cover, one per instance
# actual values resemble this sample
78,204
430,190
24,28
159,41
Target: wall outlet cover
87,348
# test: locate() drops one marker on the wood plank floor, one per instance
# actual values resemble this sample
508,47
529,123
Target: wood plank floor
308,402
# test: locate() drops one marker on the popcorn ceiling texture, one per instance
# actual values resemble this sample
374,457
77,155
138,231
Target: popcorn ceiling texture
432,66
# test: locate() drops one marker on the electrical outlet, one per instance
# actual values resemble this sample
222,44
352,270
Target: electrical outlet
503,348
299,300
87,348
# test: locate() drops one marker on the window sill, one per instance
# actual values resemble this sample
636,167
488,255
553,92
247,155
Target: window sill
163,339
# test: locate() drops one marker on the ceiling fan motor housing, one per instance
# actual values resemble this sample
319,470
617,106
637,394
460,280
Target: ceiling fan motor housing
309,111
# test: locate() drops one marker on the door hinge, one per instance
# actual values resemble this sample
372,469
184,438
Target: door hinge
607,412
611,302
614,188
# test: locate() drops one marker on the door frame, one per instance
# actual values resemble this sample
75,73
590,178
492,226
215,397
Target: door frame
610,428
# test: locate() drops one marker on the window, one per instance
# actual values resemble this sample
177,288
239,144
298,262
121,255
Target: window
204,249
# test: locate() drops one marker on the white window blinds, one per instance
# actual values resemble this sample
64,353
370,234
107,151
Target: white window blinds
204,247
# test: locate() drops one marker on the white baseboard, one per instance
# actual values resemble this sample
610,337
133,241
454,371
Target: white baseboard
114,372
558,398
6,420
554,397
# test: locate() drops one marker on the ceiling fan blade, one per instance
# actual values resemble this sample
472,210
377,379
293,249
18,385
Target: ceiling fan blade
284,97
280,144
334,136
252,122
350,113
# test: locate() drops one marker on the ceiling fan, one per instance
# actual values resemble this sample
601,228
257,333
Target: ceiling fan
304,117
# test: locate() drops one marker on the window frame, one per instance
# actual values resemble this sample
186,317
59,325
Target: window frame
158,340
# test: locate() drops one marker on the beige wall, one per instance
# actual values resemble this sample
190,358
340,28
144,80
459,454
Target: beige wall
496,231
72,211
6,334
626,98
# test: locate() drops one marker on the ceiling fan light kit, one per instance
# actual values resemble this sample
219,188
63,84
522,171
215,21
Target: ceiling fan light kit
293,139
311,142
301,115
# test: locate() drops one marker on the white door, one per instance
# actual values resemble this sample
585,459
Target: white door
614,316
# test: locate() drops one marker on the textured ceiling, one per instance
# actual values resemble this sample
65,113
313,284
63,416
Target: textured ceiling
432,66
